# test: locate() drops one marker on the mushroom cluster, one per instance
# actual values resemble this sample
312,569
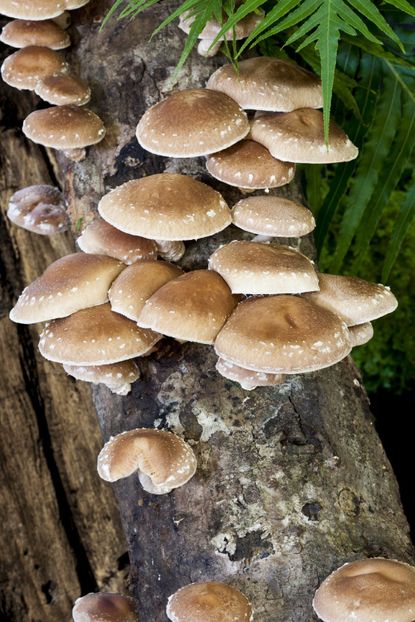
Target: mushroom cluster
38,31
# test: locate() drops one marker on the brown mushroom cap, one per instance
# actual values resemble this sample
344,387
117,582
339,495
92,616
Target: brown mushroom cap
63,90
249,165
95,336
255,268
32,9
283,334
267,83
116,376
104,607
40,209
167,206
247,378
298,136
361,334
274,216
22,33
64,127
163,460
368,590
192,123
102,238
242,29
209,602
191,307
69,284
354,300
139,282
24,68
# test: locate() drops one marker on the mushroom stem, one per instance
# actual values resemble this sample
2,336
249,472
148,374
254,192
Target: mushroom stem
262,239
76,155
170,250
206,49
246,190
63,20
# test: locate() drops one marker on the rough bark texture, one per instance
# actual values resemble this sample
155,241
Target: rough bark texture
292,481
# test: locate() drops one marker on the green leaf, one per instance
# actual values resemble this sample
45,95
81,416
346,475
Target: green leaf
372,13
403,223
313,187
402,5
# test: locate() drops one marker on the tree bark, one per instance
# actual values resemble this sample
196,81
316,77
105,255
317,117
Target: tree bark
293,480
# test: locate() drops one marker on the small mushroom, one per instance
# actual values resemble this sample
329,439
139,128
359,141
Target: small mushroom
192,123
368,590
361,334
137,283
23,33
163,460
69,284
67,128
255,268
247,378
268,83
104,607
249,166
298,136
99,237
209,602
95,336
32,9
24,68
118,377
191,307
63,90
39,209
167,207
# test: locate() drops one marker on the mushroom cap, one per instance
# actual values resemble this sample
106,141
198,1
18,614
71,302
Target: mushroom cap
271,215
104,607
247,378
367,590
164,461
32,9
63,90
167,206
255,268
191,307
283,334
242,29
64,127
24,68
355,300
71,5
95,336
22,33
192,123
249,165
209,602
39,208
268,83
360,334
298,136
69,284
102,238
116,376
139,282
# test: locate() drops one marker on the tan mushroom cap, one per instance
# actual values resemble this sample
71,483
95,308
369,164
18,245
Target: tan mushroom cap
209,602
32,9
298,136
102,238
137,283
255,268
167,206
40,209
274,216
242,29
355,300
249,165
63,90
192,123
361,334
116,376
247,378
104,607
163,460
267,83
71,5
69,284
283,334
64,127
95,336
191,307
368,590
24,68
23,33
